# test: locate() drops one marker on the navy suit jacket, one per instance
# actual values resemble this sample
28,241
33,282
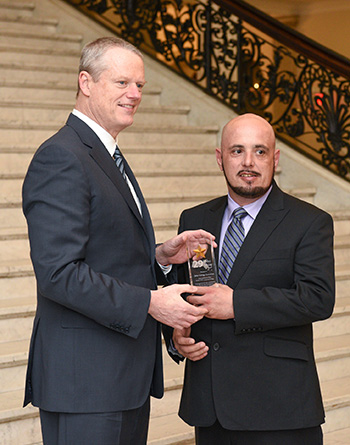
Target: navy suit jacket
94,348
260,371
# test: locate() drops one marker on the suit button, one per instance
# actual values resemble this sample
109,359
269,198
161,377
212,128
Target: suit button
216,346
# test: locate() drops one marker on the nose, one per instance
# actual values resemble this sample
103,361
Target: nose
134,91
248,159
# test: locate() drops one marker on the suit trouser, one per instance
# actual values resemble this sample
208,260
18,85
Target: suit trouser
216,434
116,428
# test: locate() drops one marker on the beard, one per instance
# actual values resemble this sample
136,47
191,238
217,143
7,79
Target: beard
249,191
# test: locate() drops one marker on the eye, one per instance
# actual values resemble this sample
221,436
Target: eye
122,83
260,152
140,85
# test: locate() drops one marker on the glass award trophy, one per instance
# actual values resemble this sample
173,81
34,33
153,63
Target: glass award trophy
202,266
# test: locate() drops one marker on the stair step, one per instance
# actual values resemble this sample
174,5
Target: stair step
12,41
342,249
342,284
339,437
33,133
337,324
333,357
169,430
20,73
11,215
14,9
18,426
16,163
154,188
177,136
67,59
31,90
24,24
341,220
13,249
17,287
20,268
17,5
20,113
13,365
336,397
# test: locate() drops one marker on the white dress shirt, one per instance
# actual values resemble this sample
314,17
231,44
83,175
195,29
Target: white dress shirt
109,142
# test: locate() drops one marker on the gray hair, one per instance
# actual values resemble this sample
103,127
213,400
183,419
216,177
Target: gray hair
92,60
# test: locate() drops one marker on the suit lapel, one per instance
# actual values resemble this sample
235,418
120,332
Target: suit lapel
101,156
214,221
269,217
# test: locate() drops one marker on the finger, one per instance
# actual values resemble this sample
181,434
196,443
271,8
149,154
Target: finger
197,349
185,341
196,358
195,300
186,288
198,354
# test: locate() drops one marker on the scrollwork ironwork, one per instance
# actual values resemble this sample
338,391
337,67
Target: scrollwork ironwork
307,104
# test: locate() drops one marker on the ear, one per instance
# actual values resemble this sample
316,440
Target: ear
276,157
84,80
218,157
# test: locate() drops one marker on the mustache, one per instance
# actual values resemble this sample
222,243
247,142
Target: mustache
248,171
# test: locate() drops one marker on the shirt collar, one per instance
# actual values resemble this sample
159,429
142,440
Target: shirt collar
106,138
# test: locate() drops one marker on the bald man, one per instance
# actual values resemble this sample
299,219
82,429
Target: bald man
250,373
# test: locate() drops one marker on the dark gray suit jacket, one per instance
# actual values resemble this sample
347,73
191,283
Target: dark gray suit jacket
94,348
260,371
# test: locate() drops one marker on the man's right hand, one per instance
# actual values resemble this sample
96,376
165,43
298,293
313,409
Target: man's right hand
168,307
187,346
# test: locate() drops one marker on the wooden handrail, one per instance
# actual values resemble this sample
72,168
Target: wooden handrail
289,37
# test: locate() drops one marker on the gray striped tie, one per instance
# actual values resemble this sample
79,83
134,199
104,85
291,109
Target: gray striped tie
118,159
233,240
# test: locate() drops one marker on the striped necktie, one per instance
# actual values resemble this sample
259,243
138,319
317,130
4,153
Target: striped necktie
233,240
119,162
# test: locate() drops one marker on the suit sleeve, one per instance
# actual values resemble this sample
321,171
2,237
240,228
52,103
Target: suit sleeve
309,298
57,205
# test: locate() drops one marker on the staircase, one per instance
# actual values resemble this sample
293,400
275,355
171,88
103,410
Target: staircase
173,158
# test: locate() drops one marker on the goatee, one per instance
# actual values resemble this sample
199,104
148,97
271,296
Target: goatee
249,191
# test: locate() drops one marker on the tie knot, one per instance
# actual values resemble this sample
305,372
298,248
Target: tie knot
239,213
117,154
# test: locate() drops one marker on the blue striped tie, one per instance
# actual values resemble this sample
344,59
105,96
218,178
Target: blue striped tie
233,240
118,159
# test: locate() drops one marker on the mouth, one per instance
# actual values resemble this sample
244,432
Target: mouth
248,174
127,106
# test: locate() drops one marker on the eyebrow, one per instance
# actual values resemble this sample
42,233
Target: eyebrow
265,147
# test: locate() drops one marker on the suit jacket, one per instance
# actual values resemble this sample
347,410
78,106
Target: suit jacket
260,371
94,348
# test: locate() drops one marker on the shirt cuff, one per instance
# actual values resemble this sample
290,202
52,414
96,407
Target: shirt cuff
165,269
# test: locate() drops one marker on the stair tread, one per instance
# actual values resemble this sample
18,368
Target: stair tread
136,128
336,391
330,346
13,351
339,437
178,109
170,427
14,304
10,4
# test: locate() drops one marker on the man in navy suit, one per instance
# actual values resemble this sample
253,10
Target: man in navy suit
95,353
250,374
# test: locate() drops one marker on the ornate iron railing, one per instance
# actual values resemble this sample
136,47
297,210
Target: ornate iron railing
249,61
